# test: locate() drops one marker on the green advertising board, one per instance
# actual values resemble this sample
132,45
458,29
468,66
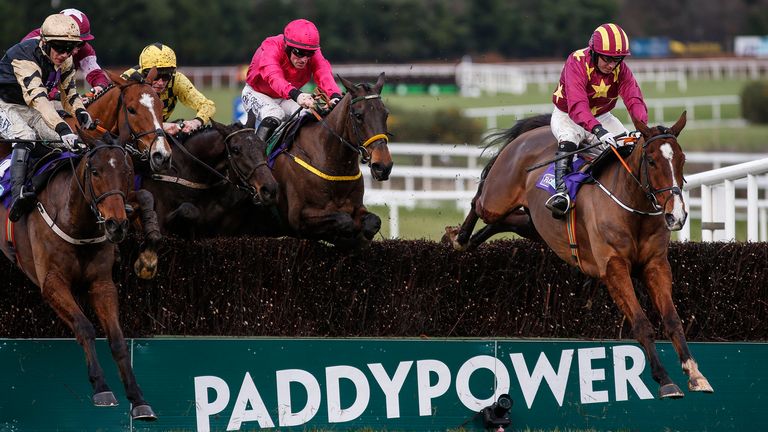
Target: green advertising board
247,384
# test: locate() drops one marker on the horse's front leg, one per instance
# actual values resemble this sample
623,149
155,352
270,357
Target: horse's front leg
657,277
335,227
56,290
145,265
459,236
104,299
367,223
617,278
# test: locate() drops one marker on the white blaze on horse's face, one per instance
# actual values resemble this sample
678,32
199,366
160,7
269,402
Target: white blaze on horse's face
147,100
112,162
678,210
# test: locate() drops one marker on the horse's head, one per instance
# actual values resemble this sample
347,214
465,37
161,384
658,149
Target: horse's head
106,176
134,112
246,154
366,125
661,170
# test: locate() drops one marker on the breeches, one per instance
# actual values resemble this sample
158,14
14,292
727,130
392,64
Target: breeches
565,129
23,122
263,106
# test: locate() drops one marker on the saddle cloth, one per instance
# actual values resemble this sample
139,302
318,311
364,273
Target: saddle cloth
43,170
282,139
573,180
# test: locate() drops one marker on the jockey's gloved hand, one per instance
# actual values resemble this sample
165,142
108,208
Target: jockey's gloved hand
84,119
604,136
335,98
305,100
69,141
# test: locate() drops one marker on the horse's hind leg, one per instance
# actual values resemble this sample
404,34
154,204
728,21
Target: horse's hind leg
657,278
517,222
623,293
57,293
459,236
104,299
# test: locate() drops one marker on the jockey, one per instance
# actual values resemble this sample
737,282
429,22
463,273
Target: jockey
172,86
279,68
29,71
590,83
84,57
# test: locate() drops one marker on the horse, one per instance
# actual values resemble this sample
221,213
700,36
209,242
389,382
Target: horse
320,182
619,226
213,171
69,243
132,111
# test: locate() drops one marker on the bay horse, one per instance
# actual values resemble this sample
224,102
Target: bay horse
619,227
68,243
320,182
131,110
212,172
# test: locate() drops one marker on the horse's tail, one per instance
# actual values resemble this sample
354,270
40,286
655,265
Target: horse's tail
506,136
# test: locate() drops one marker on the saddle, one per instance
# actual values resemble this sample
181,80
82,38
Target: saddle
585,169
40,172
283,138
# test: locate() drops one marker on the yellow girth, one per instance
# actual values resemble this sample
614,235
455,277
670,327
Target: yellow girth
325,176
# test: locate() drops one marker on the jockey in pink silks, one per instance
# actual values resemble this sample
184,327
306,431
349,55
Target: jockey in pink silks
279,68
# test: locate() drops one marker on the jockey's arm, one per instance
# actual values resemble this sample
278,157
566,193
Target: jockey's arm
191,97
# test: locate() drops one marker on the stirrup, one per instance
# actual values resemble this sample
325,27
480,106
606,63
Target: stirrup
557,211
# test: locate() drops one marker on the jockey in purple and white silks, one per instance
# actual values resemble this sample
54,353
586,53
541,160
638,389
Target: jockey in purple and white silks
591,81
279,68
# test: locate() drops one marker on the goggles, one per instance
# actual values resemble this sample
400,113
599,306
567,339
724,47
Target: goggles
62,47
302,53
612,59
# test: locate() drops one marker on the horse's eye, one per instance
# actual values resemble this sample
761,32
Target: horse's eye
236,150
358,116
94,172
651,162
131,110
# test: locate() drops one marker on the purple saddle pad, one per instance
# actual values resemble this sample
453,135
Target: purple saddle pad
5,174
573,180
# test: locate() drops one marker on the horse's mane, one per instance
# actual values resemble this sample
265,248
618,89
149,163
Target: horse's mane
506,136
103,91
183,137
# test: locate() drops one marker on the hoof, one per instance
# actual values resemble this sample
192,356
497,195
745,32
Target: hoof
143,412
145,266
671,391
700,385
106,398
450,237
189,211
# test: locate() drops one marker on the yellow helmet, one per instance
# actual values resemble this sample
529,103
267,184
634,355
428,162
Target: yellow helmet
158,56
60,28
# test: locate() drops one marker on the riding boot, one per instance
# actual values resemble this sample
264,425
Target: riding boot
22,201
266,127
560,203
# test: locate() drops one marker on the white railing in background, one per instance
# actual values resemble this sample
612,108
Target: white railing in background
457,183
718,200
656,109
543,74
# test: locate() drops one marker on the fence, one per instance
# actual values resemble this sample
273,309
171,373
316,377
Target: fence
656,109
543,74
455,181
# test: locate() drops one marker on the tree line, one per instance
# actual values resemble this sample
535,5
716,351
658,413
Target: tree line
386,31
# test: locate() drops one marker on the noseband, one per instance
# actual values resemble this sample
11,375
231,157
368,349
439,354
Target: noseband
650,192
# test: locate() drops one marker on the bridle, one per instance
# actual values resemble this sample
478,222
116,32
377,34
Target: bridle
88,183
242,176
363,143
644,182
132,135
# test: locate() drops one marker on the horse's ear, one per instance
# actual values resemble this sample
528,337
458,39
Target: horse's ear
679,125
642,127
86,138
250,122
222,128
151,76
346,83
115,78
379,83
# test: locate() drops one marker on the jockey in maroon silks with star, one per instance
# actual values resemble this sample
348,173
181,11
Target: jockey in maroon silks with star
591,82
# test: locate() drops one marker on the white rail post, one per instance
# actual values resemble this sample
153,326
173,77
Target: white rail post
730,211
706,212
394,220
752,208
685,233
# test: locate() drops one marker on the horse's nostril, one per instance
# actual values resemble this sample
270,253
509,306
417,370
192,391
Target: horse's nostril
670,219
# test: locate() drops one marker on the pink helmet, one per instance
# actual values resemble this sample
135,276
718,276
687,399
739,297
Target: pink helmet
82,22
609,39
301,34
